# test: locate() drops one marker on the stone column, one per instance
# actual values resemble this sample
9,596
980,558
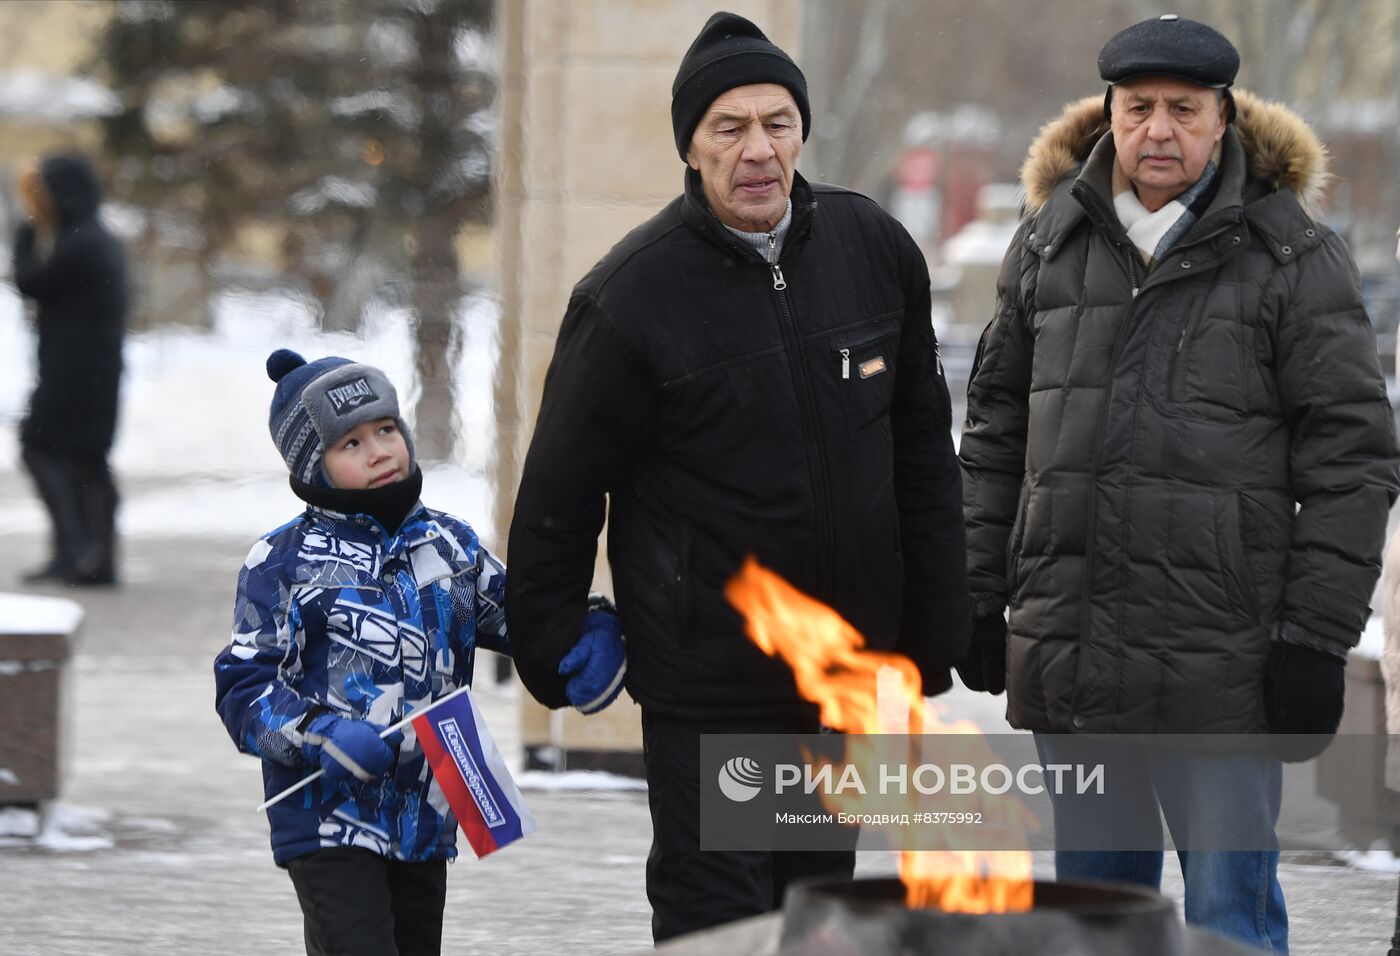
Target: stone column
586,154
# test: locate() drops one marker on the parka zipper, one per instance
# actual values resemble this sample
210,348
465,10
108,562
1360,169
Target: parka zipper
1089,198
1100,434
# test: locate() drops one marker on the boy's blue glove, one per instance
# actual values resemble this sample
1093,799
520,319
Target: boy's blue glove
597,663
348,750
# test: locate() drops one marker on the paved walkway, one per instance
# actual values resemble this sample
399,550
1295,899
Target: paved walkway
182,865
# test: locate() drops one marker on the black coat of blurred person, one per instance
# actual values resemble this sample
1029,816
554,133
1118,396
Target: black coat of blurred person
74,272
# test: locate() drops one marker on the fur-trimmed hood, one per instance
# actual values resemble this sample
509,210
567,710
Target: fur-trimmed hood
1281,147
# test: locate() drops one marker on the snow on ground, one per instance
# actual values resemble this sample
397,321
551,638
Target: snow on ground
33,614
1372,639
1378,859
18,823
60,827
193,450
576,780
53,98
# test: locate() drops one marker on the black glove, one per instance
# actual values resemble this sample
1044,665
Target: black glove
1303,694
984,668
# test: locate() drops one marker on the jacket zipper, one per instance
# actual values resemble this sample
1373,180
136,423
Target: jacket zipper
808,401
779,283
1099,437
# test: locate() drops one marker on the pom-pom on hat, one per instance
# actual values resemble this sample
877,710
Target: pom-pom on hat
317,402
730,51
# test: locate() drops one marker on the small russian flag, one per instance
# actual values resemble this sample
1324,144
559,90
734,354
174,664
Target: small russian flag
472,774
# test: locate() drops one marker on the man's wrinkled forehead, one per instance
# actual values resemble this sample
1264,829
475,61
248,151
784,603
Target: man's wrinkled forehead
1172,89
766,100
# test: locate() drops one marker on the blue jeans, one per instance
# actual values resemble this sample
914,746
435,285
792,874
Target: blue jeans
1235,893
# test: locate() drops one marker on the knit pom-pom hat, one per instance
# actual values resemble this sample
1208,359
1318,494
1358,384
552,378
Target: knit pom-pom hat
317,402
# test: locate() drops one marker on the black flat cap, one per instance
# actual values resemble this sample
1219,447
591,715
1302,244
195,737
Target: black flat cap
1170,45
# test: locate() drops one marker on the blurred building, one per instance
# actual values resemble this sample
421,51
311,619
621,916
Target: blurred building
946,160
877,68
44,104
1337,63
973,255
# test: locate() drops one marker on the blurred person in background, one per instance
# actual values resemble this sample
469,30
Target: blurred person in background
1178,461
73,270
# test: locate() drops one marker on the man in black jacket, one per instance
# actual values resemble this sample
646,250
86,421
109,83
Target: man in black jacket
1179,458
74,271
752,371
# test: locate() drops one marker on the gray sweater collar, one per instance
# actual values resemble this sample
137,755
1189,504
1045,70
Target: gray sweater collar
759,240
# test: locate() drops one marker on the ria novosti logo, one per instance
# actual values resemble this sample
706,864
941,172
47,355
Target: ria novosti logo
740,779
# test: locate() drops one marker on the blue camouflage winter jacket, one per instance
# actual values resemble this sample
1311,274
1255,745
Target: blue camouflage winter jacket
333,616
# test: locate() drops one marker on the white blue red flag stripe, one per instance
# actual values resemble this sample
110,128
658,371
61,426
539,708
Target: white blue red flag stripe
473,775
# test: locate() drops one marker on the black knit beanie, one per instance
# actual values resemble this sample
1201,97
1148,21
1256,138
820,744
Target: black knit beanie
730,51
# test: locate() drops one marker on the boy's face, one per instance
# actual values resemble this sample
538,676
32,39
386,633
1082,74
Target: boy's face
370,455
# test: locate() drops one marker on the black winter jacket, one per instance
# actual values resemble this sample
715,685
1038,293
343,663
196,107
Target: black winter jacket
80,293
1156,482
722,416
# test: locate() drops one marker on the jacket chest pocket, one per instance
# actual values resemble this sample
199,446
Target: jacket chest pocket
863,363
1209,366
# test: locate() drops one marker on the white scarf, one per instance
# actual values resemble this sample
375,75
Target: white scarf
1154,233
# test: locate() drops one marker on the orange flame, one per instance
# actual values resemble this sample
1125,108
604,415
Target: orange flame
833,670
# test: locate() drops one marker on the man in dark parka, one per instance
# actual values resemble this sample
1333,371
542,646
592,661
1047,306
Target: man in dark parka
73,270
751,372
1179,456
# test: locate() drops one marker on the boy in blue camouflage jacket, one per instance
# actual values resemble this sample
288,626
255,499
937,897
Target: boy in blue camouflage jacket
347,619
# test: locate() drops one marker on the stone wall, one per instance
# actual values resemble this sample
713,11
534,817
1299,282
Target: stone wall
586,154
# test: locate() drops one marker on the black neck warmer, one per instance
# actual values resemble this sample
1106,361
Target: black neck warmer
388,505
